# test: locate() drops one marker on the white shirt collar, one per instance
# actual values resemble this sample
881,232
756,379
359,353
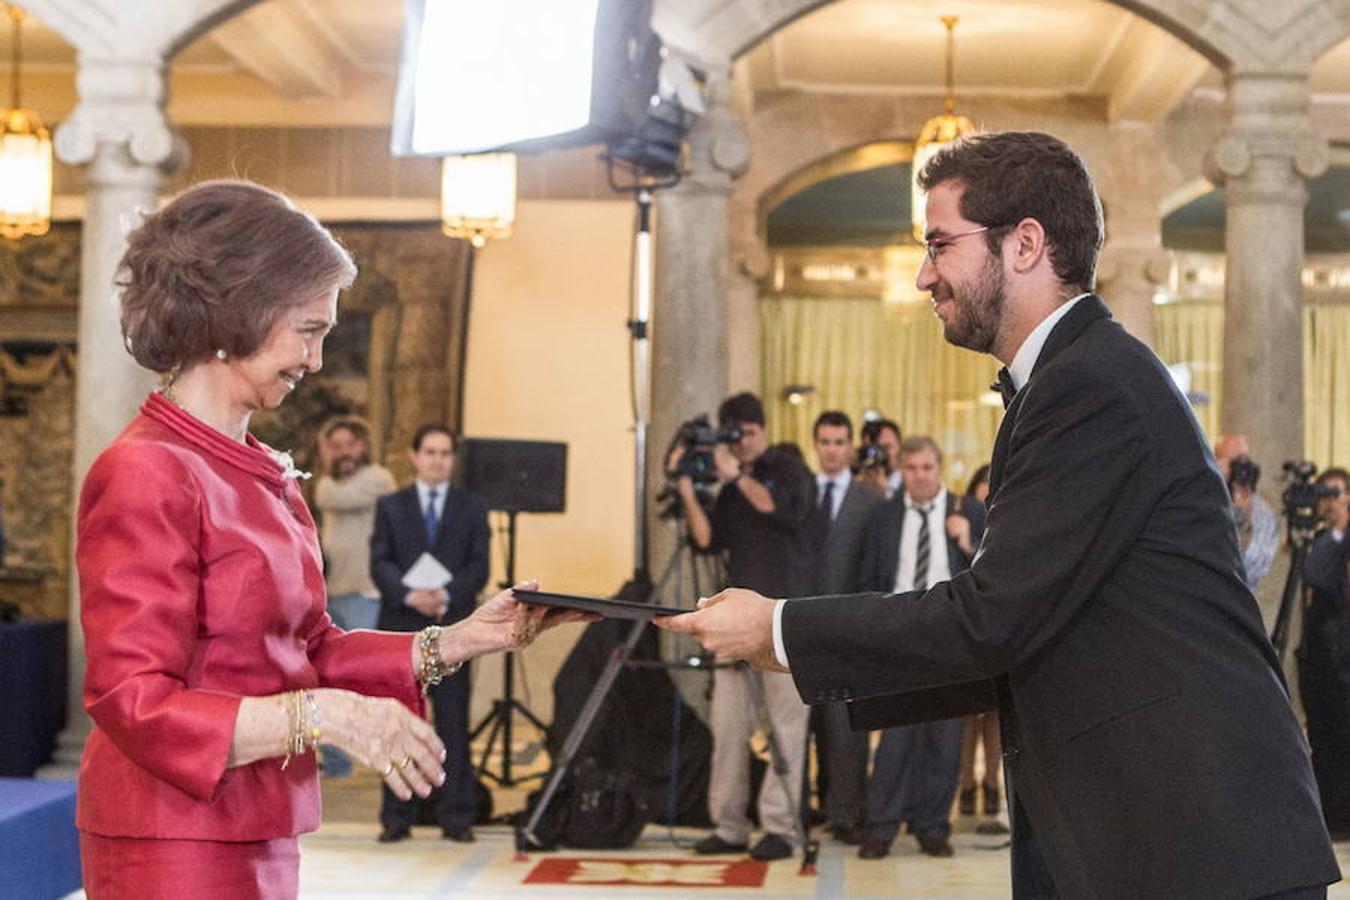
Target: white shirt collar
423,489
939,502
841,481
1025,360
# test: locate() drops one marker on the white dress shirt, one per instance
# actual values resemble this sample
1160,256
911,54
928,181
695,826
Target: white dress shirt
1020,369
841,482
424,491
939,566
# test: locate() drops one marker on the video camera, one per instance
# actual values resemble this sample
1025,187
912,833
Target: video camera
698,437
1301,496
871,454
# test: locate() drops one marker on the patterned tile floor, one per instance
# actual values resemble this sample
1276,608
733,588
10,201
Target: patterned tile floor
342,860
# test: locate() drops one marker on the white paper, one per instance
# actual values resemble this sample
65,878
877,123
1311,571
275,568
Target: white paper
426,574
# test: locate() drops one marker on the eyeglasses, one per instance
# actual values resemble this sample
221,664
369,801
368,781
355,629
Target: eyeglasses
931,248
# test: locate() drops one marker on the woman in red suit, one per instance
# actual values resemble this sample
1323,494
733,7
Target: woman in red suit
213,669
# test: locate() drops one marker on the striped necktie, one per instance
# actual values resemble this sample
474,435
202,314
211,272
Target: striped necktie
921,547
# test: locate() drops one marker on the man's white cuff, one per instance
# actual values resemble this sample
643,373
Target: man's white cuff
779,651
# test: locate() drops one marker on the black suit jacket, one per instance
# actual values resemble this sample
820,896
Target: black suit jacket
1148,733
881,547
400,537
836,568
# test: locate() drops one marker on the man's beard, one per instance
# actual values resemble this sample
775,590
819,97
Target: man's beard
977,314
345,466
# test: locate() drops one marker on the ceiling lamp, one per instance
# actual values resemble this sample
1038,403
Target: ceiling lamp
937,133
25,156
478,196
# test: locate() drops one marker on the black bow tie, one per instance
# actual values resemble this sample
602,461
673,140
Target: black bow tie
1005,387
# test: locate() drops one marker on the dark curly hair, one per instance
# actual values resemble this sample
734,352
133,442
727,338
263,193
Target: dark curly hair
1016,175
216,267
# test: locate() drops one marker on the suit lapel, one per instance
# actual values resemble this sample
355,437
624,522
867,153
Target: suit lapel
412,508
1065,332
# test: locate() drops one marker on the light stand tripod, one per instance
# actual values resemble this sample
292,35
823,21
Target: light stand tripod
526,838
505,707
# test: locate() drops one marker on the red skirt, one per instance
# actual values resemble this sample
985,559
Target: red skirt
153,869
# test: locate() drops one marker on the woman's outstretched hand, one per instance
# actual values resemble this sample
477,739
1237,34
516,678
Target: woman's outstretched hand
504,623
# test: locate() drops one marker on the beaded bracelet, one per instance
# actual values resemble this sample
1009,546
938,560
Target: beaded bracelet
302,733
432,667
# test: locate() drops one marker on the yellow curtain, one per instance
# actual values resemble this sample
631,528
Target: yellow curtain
1191,333
865,354
1326,385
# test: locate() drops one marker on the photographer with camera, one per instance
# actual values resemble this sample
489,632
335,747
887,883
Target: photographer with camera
759,520
879,456
1258,526
1324,652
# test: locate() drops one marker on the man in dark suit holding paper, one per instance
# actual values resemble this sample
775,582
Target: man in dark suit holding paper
1149,744
429,558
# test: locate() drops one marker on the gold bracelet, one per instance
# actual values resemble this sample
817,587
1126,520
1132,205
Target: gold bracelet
432,668
302,717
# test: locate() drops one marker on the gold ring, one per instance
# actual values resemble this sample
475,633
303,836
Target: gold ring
387,770
406,760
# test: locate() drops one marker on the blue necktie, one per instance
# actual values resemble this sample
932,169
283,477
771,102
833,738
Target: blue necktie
430,517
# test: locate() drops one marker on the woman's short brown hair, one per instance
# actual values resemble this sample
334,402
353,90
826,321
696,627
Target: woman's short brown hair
216,267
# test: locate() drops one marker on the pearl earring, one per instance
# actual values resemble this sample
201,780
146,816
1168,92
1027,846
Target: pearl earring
220,355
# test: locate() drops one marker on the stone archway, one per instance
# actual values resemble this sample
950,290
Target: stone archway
1285,37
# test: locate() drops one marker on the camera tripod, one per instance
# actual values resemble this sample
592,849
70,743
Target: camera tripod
505,707
1301,528
672,578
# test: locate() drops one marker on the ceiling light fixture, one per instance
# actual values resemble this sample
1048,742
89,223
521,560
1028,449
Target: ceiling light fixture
25,155
478,196
937,132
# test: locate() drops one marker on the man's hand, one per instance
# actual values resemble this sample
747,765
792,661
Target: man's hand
727,466
876,478
428,603
958,529
735,624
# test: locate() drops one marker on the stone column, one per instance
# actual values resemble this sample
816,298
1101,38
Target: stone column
119,132
1133,264
1263,162
689,310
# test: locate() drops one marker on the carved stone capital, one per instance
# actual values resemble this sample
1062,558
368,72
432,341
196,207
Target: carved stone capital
1231,157
121,103
1271,136
1149,265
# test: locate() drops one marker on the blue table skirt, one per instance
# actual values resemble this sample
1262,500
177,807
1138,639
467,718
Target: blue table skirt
32,694
39,847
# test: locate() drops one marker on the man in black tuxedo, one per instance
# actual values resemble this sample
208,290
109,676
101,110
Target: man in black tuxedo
432,517
921,536
844,506
1149,745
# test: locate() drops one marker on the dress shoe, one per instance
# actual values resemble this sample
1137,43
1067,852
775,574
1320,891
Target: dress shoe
992,797
394,835
852,835
965,802
934,844
460,834
874,848
712,845
992,826
771,847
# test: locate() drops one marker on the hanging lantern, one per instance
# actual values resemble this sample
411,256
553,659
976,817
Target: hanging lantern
25,156
478,196
937,133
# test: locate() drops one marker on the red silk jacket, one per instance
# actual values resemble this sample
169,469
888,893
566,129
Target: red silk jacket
201,583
